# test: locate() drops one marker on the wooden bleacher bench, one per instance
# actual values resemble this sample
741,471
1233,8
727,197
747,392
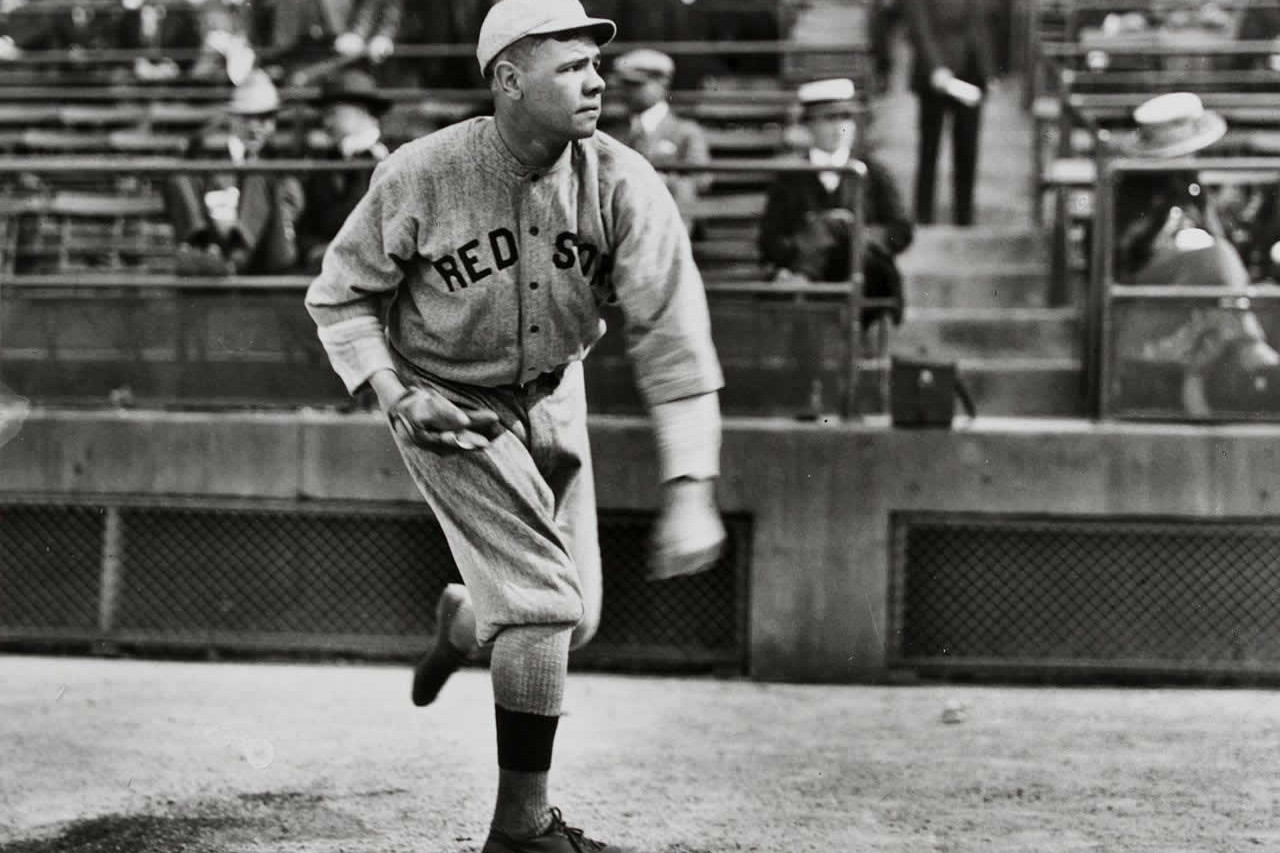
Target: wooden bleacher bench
68,231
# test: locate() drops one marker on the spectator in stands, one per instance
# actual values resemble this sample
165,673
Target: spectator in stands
238,223
809,216
1168,231
226,40
657,132
1260,21
884,18
953,64
291,30
75,29
371,29
1167,227
158,26
352,108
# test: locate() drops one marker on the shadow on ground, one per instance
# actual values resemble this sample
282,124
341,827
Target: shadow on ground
247,820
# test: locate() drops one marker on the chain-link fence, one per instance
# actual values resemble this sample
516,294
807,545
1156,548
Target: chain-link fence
319,578
1165,596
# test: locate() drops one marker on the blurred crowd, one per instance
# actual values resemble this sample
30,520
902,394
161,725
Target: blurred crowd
230,37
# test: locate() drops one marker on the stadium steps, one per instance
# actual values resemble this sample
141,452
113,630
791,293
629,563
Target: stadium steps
977,296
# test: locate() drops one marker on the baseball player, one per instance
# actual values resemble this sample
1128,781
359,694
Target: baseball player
497,240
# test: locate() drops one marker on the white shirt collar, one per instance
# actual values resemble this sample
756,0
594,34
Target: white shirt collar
652,117
236,148
836,160
358,143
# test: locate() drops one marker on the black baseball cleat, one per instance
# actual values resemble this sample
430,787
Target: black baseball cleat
557,839
441,660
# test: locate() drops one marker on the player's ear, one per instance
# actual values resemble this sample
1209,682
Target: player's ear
506,79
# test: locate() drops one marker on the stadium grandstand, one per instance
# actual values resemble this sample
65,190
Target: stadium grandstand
180,469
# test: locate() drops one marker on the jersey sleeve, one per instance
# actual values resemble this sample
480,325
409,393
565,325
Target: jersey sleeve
660,292
361,264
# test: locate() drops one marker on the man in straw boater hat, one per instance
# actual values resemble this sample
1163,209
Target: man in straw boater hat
237,222
1168,231
498,240
809,216
351,108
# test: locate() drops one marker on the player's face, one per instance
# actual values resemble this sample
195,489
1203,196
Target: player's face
562,87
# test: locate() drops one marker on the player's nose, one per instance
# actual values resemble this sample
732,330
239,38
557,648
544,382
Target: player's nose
593,83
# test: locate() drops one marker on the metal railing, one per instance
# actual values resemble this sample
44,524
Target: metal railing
163,336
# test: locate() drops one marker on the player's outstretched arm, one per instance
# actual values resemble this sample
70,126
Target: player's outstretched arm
669,339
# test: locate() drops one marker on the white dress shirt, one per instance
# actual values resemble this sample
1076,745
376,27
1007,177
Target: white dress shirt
838,160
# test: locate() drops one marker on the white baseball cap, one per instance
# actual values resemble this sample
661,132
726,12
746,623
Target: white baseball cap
511,20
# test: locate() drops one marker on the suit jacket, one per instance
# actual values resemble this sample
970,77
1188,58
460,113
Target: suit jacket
265,237
676,140
953,34
794,195
330,198
84,27
290,24
157,25
791,239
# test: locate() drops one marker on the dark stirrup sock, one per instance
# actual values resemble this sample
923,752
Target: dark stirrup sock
525,743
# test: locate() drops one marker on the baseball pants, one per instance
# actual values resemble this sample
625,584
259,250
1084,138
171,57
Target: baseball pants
520,514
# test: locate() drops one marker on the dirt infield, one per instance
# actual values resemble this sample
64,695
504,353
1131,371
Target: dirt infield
155,757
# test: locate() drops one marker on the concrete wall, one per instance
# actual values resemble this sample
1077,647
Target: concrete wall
820,495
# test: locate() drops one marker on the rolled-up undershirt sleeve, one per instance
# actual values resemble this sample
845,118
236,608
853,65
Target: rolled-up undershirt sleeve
661,294
362,263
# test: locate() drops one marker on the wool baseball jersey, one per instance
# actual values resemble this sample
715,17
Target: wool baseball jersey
498,272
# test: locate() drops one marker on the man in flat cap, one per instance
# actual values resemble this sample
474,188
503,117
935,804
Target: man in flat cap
808,216
498,240
657,132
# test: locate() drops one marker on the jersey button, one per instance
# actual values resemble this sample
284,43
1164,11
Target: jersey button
534,328
534,230
533,285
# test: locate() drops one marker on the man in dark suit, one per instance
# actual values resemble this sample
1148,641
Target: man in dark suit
953,46
657,132
352,108
238,223
808,215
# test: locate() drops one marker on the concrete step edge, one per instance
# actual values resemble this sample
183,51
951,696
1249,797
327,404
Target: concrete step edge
997,270
1020,365
935,314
